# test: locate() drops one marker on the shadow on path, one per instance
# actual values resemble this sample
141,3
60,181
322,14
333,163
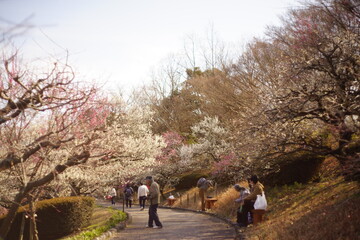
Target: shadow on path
177,225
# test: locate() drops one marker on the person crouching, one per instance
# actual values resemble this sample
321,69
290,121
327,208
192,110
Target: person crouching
243,194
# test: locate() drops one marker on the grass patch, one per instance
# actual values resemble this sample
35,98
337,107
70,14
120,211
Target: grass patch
190,198
226,206
329,209
324,210
102,220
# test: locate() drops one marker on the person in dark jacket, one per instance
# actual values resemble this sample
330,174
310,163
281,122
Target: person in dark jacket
128,192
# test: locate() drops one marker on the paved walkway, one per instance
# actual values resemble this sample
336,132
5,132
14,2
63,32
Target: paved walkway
177,224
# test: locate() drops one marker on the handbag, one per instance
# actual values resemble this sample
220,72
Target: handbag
260,202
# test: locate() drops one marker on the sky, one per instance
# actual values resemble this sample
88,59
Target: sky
121,42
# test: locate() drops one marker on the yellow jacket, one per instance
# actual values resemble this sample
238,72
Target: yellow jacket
258,189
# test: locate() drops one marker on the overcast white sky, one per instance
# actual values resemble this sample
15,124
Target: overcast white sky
120,41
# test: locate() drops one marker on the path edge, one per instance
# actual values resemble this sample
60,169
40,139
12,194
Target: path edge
117,228
238,235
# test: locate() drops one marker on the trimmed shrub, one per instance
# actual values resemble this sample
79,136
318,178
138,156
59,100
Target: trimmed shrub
56,217
93,232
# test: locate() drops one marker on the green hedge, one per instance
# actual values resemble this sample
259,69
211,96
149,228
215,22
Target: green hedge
56,217
93,232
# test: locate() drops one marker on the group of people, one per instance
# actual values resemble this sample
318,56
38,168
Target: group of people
143,191
247,200
149,191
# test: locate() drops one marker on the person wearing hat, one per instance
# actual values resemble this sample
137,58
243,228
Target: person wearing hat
154,199
203,185
244,192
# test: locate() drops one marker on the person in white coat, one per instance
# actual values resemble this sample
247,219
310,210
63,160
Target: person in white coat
113,195
143,191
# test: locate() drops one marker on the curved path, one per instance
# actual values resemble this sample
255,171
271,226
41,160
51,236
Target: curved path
177,224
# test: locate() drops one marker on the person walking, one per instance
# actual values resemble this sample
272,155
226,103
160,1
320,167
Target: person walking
203,184
257,189
142,194
128,192
113,195
154,199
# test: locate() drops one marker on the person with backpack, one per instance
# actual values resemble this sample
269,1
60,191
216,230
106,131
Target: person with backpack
128,192
203,184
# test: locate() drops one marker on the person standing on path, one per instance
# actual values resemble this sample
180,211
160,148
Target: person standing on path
142,194
128,195
113,195
203,184
154,199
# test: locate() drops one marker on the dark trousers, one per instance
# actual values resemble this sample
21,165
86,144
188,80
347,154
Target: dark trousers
243,216
128,202
153,216
238,216
142,200
113,200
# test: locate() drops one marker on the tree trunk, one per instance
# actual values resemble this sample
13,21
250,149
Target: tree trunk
33,229
22,227
5,226
347,156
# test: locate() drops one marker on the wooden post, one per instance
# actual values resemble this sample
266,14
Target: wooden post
123,202
258,215
22,226
216,190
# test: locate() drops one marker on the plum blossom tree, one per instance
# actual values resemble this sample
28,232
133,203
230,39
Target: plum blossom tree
47,125
54,128
131,149
321,45
168,160
286,92
211,143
